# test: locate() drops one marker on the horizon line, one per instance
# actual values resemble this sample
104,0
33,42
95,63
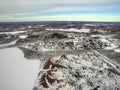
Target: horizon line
61,21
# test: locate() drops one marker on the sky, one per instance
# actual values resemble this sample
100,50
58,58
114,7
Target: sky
60,10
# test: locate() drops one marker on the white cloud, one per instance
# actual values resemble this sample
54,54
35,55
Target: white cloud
29,7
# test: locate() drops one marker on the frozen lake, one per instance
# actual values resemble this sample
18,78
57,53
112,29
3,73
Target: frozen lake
16,72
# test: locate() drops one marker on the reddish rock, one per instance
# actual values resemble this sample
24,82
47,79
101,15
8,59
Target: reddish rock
53,65
43,81
50,65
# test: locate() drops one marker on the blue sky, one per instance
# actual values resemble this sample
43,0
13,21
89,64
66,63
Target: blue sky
59,10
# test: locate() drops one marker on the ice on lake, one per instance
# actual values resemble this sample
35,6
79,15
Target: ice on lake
16,72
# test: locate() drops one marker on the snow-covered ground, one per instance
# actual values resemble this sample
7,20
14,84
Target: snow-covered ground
13,32
117,50
83,30
22,36
85,71
79,43
112,43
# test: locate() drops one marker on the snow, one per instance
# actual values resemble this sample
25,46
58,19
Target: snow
104,40
41,25
111,47
8,44
16,72
13,32
23,36
117,50
83,30
90,24
92,69
111,42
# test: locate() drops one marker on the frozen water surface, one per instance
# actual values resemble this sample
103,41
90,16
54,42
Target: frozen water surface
16,72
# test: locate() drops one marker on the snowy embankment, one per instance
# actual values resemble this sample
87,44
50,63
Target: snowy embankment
72,30
8,44
15,34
